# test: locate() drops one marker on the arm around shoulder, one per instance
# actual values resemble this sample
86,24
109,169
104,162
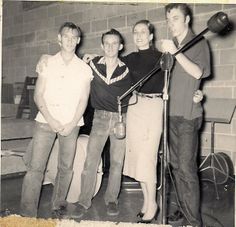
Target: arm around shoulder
42,63
88,57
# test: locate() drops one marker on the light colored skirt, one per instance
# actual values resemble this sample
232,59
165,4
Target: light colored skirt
143,133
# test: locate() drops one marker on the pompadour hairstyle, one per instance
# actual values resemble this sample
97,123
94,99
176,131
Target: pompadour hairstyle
113,31
72,26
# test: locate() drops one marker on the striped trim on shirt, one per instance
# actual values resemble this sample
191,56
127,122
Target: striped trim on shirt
103,77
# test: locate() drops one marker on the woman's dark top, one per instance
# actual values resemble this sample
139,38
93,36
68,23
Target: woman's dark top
140,64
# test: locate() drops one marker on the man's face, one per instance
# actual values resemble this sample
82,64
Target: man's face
111,45
177,22
68,39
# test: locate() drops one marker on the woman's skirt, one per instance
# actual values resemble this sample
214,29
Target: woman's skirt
143,133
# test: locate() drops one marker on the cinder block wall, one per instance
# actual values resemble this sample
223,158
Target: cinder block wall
29,33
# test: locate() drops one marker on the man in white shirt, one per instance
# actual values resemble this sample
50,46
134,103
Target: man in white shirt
61,95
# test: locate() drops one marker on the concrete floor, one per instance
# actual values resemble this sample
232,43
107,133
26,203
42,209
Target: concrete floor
215,213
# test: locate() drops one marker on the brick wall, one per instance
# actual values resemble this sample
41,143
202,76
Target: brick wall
29,33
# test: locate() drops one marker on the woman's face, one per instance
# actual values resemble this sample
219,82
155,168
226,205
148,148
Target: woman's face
142,36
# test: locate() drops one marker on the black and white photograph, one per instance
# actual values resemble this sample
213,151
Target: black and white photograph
118,113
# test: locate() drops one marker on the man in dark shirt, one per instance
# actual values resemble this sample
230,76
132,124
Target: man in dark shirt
111,79
185,115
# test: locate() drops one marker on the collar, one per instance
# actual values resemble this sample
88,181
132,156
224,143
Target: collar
60,59
146,50
102,61
189,36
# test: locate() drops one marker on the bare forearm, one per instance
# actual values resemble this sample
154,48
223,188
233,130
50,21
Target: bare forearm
82,104
191,68
80,111
78,115
42,107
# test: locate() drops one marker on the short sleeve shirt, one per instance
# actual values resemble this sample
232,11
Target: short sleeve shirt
65,85
183,85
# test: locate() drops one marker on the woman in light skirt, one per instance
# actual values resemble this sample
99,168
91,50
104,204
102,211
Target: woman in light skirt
144,118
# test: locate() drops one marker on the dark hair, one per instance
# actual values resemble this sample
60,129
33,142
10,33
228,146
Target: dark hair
185,9
150,27
113,32
72,26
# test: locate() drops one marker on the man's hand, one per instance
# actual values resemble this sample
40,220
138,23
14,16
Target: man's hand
42,63
88,57
198,96
166,45
55,125
67,129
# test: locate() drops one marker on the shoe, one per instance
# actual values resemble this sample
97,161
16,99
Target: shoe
58,213
112,209
78,211
5,213
22,214
149,221
140,214
177,216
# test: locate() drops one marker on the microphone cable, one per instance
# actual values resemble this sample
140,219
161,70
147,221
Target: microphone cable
174,185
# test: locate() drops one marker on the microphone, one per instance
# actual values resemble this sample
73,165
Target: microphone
166,62
119,129
218,22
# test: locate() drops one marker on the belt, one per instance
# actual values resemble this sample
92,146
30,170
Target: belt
150,96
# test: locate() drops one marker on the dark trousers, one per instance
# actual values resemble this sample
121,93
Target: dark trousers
183,142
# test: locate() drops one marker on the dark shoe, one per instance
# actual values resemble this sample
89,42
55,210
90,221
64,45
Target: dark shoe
177,216
140,214
58,213
112,209
27,215
77,211
148,221
5,213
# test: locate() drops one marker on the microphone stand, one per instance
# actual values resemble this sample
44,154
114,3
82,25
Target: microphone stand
166,66
216,23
